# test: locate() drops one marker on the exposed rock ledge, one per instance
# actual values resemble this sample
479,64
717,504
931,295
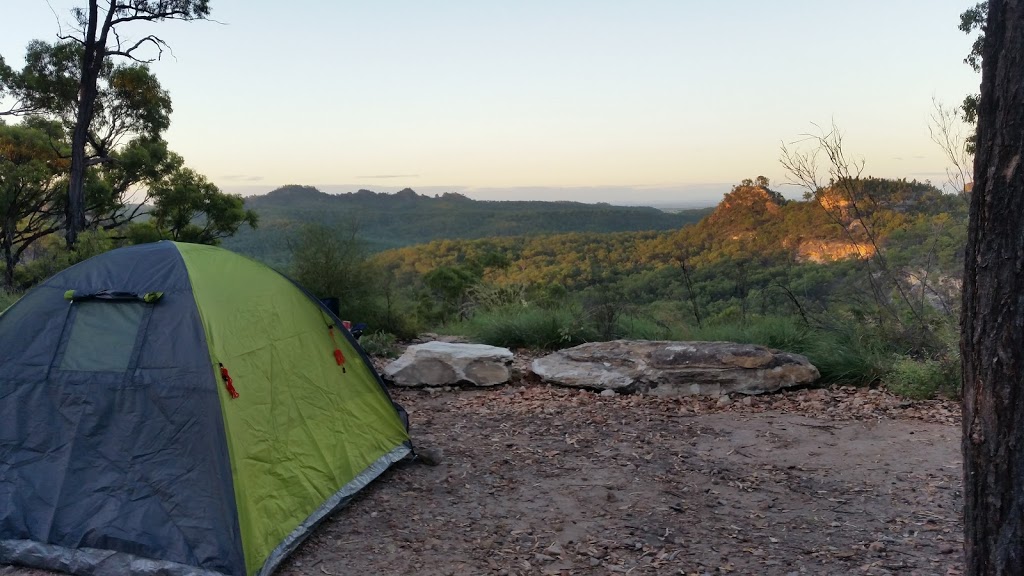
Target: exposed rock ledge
666,368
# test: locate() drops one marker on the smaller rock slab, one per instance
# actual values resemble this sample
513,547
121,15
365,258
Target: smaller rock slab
451,364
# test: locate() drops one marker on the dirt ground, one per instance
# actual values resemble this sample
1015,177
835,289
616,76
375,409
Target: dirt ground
541,480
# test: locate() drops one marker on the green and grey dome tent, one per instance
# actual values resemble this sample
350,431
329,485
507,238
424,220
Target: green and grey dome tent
179,409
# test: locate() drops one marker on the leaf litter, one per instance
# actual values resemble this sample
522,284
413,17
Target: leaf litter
537,479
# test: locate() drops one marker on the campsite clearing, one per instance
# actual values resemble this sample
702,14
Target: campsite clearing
542,480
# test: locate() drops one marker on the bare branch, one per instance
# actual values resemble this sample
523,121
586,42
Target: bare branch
19,109
850,206
947,129
97,160
127,53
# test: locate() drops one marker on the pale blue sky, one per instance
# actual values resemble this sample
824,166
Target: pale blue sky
638,101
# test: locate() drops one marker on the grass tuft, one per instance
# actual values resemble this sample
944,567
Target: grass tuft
380,344
528,327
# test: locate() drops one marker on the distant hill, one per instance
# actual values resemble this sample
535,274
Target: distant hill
387,221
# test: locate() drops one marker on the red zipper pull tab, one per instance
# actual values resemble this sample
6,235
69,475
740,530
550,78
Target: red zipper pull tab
339,357
228,382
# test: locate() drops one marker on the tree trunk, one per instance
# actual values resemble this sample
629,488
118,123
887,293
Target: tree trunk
10,260
76,181
992,323
92,63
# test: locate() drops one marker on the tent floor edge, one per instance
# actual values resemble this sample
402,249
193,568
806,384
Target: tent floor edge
338,500
90,561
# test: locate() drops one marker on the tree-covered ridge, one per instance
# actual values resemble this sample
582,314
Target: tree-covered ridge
405,218
915,222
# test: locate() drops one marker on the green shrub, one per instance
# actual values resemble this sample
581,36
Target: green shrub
55,257
379,344
393,315
913,378
644,327
528,327
719,333
784,333
846,357
485,297
779,332
7,298
333,262
843,352
927,378
635,327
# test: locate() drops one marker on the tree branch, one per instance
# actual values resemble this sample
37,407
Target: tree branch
97,160
127,53
947,130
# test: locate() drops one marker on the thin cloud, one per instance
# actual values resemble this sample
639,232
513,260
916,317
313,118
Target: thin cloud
384,176
242,178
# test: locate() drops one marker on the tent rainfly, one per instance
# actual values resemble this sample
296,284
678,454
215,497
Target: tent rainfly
178,409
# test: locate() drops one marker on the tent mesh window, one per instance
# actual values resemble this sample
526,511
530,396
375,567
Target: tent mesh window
103,336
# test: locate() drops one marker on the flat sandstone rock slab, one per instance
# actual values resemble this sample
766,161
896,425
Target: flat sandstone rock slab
667,368
451,364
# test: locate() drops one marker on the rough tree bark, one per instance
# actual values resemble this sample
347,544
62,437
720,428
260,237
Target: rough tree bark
92,62
992,337
9,260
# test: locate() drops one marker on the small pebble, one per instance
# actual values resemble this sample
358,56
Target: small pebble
429,456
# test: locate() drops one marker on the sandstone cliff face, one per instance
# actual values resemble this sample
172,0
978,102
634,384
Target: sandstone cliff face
822,251
853,243
835,203
747,211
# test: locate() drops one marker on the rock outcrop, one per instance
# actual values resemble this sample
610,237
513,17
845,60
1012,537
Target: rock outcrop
675,368
821,251
450,364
